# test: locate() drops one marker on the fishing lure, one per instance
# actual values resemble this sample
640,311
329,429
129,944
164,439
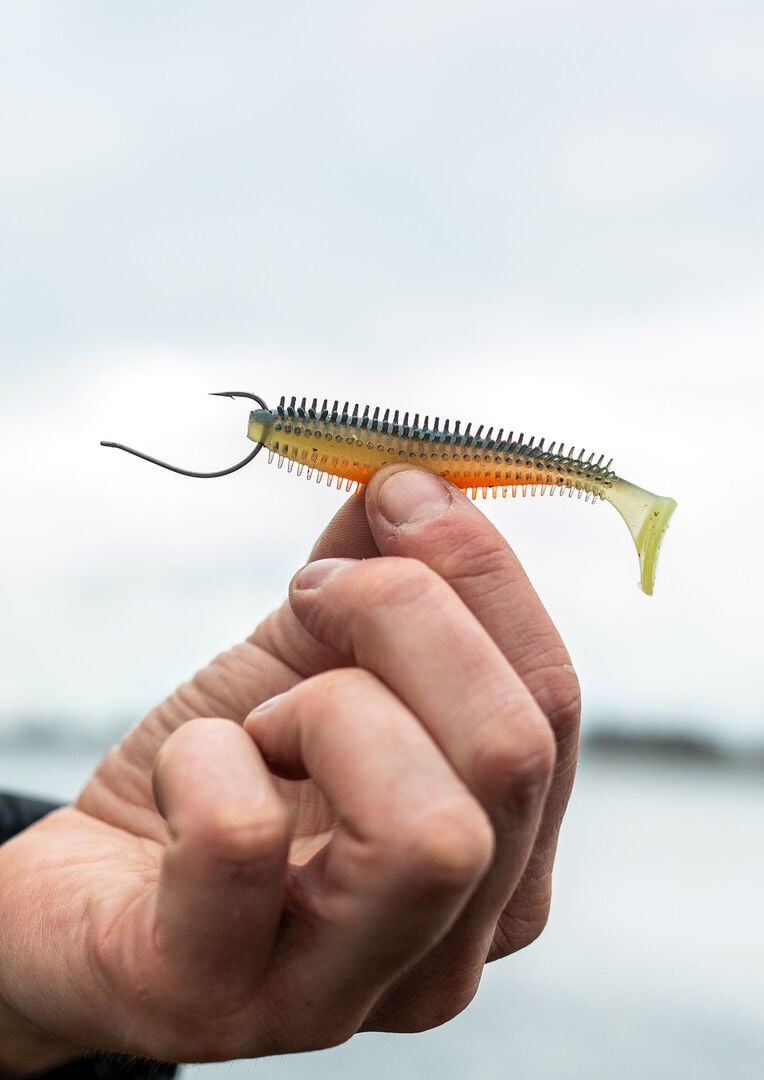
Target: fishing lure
350,445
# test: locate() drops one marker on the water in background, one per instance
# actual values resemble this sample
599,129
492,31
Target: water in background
650,966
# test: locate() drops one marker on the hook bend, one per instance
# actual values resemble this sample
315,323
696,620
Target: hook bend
189,472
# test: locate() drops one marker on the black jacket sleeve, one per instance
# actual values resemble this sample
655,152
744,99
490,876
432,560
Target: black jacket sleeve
16,813
108,1067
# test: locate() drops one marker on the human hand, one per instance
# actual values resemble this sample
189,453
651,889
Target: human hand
346,857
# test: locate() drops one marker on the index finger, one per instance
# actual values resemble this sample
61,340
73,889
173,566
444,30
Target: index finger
417,515
464,548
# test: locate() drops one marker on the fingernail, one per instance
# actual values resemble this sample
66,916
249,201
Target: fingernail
268,703
412,496
318,572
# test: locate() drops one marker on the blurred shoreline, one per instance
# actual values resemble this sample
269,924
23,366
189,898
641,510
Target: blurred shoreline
700,751
601,740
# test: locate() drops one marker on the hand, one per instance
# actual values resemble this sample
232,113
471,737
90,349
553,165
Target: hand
344,857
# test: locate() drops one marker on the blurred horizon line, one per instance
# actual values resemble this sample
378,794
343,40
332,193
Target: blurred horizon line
603,737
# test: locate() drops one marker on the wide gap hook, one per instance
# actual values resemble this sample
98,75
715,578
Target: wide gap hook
190,472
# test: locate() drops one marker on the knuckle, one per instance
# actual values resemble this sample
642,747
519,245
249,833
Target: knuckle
333,1031
522,928
554,684
323,704
526,916
522,768
519,934
564,708
352,607
442,1007
241,840
339,685
397,581
478,562
434,996
450,847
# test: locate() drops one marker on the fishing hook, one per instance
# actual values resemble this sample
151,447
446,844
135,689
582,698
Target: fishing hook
188,472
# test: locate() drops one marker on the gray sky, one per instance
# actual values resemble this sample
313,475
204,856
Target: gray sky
541,215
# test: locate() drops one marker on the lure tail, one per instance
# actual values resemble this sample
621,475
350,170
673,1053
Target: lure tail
647,517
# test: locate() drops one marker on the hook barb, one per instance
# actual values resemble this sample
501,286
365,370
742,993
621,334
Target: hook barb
237,394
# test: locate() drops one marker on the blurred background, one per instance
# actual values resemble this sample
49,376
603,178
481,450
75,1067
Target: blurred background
539,215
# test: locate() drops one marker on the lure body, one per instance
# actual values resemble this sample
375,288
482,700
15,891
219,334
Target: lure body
352,445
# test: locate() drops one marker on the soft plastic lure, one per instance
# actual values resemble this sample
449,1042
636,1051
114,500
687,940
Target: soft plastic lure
350,445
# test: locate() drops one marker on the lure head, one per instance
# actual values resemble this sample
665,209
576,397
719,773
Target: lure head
260,424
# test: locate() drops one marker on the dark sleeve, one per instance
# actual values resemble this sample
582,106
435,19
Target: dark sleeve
109,1067
16,812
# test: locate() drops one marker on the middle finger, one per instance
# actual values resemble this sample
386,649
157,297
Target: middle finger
401,621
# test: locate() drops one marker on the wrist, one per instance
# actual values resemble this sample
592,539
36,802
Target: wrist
26,1050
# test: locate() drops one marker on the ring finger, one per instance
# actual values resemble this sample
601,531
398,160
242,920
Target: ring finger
410,846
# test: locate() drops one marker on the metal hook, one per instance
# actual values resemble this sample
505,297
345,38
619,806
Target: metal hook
188,472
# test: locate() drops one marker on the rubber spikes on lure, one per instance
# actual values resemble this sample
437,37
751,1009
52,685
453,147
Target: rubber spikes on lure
352,444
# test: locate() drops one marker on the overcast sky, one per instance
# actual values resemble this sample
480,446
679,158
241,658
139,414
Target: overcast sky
541,215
